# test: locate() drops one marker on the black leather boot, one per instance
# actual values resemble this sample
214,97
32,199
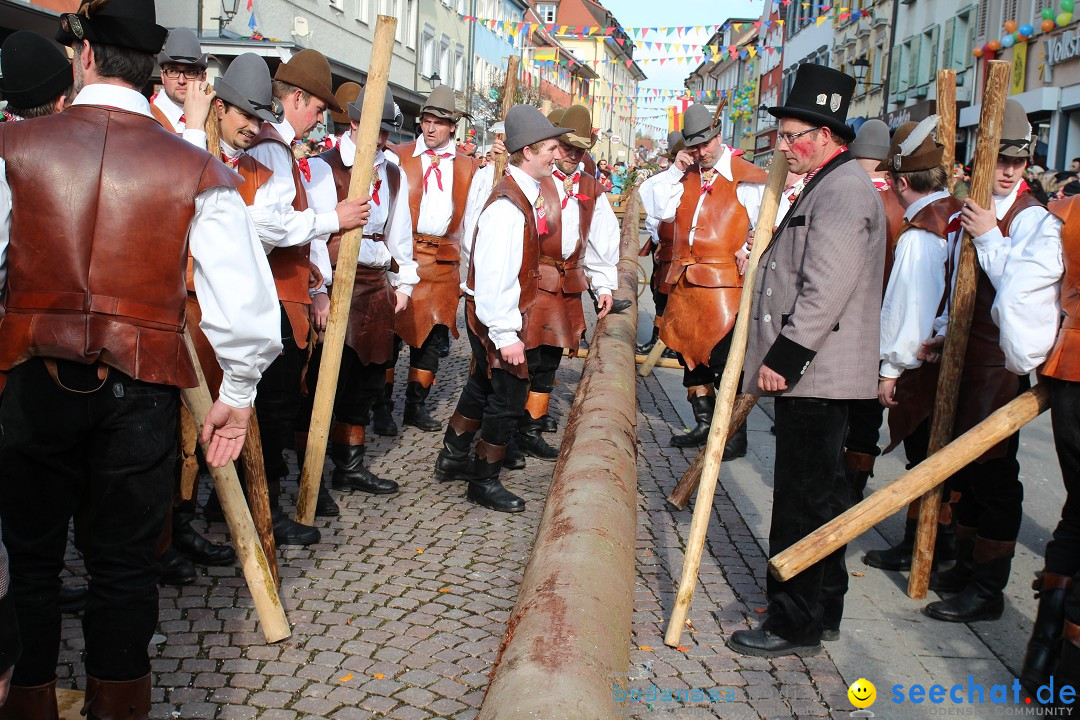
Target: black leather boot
1067,671
72,598
859,468
325,505
350,473
898,557
112,700
735,447
529,435
646,347
31,703
484,486
286,530
984,596
703,401
212,509
514,459
176,570
453,462
549,424
194,546
1043,647
957,577
382,410
416,392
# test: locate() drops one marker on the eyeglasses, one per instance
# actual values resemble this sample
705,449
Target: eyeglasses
189,73
790,138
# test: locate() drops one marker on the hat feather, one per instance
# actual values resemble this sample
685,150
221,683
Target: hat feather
93,6
918,134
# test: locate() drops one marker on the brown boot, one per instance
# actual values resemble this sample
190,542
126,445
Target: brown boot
31,703
117,700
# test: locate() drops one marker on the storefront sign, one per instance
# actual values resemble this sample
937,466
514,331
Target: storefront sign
763,142
1059,49
1019,68
916,112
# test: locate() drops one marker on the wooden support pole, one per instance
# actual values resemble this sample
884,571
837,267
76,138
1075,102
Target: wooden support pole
345,275
744,403
960,311
931,472
260,580
258,493
509,92
729,387
946,109
652,358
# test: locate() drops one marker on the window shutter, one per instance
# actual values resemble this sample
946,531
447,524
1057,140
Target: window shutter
894,75
913,61
947,44
933,51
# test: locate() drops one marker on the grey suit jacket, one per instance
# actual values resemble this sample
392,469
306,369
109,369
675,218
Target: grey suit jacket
817,297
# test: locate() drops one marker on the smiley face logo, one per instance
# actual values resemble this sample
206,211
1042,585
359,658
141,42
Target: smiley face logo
862,693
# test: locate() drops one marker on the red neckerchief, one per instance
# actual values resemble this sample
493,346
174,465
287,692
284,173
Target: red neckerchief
541,215
882,184
708,177
375,185
570,182
434,166
231,162
305,168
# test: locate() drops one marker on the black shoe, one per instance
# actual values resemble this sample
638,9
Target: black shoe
548,424
72,598
450,468
1045,643
416,413
485,488
982,599
617,306
453,462
1067,671
515,459
382,413
703,410
350,473
669,354
830,634
326,506
735,447
898,557
175,569
646,347
194,546
212,509
763,643
532,442
289,532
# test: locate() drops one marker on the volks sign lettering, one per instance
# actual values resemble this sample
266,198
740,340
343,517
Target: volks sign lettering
1059,49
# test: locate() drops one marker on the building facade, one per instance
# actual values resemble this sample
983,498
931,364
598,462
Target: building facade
863,39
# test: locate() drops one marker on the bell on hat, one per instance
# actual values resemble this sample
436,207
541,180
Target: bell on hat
130,24
183,48
1017,138
309,70
246,84
346,93
915,147
33,70
578,120
391,113
699,126
442,103
525,125
871,142
820,96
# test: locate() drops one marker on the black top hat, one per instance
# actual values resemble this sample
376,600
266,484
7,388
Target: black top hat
130,24
247,85
391,113
820,96
526,125
34,70
183,48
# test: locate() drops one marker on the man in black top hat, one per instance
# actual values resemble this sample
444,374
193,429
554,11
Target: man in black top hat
36,76
814,346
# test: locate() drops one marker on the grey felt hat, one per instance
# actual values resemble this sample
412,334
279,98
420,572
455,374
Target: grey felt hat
526,125
1017,139
391,113
247,85
183,48
442,103
699,126
872,141
675,143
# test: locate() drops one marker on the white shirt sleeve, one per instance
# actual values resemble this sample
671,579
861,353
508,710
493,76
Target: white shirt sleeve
196,138
240,314
994,249
603,248
661,194
911,300
322,197
749,196
1027,306
498,262
5,225
399,242
320,256
273,204
479,191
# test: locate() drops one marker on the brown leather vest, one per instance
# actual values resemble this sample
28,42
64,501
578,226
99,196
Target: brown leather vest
934,218
894,226
162,118
103,279
556,273
342,180
464,170
721,229
1063,362
665,252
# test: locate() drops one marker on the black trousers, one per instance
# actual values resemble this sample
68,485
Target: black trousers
105,455
864,426
708,374
358,387
809,489
1063,550
659,300
497,401
426,357
277,403
543,362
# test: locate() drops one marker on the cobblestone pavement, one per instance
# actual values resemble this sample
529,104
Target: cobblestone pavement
399,611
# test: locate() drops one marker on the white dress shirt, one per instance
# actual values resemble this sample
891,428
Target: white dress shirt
436,206
322,193
498,255
602,247
483,183
662,193
175,113
277,195
913,295
240,315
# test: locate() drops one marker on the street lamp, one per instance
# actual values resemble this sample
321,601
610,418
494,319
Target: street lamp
435,80
860,69
762,114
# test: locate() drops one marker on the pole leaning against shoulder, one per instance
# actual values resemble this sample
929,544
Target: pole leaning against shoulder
509,92
345,275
